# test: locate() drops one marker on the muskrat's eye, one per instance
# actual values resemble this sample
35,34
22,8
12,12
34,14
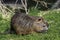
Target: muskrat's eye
39,19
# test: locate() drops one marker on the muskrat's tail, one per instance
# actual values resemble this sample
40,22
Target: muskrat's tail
8,31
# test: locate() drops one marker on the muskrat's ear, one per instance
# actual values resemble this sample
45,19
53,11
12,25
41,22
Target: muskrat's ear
40,19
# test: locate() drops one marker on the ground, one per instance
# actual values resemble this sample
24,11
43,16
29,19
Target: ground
53,18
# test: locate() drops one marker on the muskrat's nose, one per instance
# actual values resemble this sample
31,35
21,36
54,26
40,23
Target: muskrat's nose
46,29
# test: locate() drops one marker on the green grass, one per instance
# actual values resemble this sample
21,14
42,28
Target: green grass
53,18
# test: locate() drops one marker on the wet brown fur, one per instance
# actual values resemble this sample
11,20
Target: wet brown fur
22,23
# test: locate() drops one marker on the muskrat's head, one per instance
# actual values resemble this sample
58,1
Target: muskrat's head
40,25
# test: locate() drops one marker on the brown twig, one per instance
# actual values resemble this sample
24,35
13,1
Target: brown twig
24,5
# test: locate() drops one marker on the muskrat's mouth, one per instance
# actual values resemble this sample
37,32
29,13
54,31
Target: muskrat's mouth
42,31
